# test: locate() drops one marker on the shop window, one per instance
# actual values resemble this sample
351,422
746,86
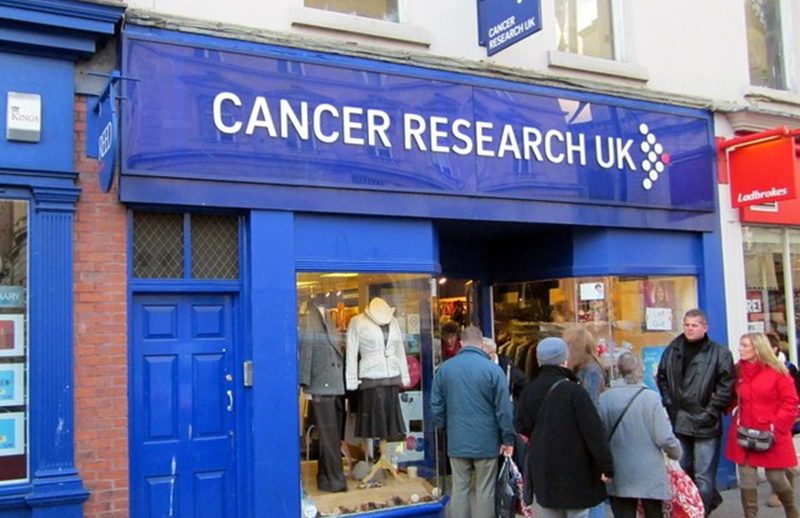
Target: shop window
585,27
383,459
772,264
379,9
163,241
766,50
13,341
623,314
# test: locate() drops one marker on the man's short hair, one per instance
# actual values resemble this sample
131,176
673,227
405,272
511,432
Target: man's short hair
472,336
695,313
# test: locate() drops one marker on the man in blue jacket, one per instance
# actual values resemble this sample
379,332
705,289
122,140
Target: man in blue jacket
470,401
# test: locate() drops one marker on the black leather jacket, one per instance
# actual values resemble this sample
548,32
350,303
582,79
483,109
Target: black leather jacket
696,399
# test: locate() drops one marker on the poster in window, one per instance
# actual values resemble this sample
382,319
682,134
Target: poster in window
659,297
12,434
12,335
12,386
651,357
659,294
658,319
592,291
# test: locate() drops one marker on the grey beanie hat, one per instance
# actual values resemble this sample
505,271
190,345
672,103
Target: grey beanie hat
552,351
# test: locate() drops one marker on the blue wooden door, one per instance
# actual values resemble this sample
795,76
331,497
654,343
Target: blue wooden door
183,461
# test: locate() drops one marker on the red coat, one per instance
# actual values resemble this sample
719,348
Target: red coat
765,397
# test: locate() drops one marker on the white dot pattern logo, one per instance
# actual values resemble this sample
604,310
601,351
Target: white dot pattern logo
655,160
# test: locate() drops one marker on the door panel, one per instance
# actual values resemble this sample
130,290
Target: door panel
183,407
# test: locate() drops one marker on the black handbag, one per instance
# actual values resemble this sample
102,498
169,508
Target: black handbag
753,439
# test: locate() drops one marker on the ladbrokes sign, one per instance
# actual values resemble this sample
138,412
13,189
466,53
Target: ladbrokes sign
762,172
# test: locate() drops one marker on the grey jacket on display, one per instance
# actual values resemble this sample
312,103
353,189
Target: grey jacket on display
369,356
637,444
321,356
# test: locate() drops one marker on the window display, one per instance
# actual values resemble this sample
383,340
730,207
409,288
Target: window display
637,314
13,340
771,259
366,359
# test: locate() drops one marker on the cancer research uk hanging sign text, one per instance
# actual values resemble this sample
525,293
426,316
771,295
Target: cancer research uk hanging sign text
239,117
502,23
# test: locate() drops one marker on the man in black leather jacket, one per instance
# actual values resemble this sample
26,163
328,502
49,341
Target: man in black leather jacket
695,378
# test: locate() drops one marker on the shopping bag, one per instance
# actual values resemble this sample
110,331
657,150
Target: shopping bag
505,490
685,501
522,508
508,500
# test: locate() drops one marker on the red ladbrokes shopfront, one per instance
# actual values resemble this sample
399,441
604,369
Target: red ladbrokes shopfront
762,172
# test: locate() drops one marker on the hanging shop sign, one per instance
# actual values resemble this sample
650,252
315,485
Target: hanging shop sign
502,23
102,132
762,171
331,121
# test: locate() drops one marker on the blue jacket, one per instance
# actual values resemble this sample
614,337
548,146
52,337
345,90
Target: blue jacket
470,400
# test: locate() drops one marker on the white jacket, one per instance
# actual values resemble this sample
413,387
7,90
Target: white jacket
368,357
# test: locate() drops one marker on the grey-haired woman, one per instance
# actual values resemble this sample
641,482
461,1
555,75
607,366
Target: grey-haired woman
637,442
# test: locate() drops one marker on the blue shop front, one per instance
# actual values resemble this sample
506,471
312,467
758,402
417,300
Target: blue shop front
40,43
286,205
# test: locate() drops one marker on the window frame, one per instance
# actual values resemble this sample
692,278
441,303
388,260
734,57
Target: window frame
788,61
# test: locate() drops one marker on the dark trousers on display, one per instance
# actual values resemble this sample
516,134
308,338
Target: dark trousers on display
327,413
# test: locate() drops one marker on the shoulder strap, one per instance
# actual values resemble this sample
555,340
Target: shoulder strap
550,391
616,424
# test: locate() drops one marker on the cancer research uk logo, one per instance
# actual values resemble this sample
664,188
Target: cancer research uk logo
655,160
576,144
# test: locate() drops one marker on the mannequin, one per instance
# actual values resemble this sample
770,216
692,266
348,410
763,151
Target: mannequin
376,366
321,375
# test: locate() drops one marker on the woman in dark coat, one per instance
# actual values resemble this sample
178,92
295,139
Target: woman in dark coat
766,400
568,457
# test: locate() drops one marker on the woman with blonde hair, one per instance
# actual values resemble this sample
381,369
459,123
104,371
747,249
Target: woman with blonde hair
766,401
583,360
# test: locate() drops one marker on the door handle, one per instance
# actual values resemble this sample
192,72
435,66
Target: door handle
230,400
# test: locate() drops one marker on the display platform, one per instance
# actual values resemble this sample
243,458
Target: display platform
360,498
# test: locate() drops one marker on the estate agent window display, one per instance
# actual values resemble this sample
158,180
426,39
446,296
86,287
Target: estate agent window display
361,403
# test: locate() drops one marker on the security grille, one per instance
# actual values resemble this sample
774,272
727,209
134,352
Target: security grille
157,245
215,247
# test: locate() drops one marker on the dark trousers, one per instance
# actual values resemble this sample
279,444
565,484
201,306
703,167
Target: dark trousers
327,413
626,507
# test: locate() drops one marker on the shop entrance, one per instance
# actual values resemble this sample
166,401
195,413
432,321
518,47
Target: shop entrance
183,401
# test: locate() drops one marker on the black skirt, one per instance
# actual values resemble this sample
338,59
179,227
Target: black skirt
379,415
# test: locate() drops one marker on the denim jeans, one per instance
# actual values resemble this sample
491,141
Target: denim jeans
700,460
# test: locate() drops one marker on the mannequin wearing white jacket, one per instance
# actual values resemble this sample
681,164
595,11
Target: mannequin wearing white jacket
375,365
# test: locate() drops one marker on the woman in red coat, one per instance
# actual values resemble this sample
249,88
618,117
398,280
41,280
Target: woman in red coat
766,400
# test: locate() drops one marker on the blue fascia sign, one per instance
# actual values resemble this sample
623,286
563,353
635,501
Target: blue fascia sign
242,117
502,23
101,140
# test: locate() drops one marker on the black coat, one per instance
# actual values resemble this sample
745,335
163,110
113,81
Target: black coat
696,399
568,449
516,378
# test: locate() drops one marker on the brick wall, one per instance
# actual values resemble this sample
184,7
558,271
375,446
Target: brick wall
101,363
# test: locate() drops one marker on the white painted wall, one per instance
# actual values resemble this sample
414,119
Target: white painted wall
686,47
